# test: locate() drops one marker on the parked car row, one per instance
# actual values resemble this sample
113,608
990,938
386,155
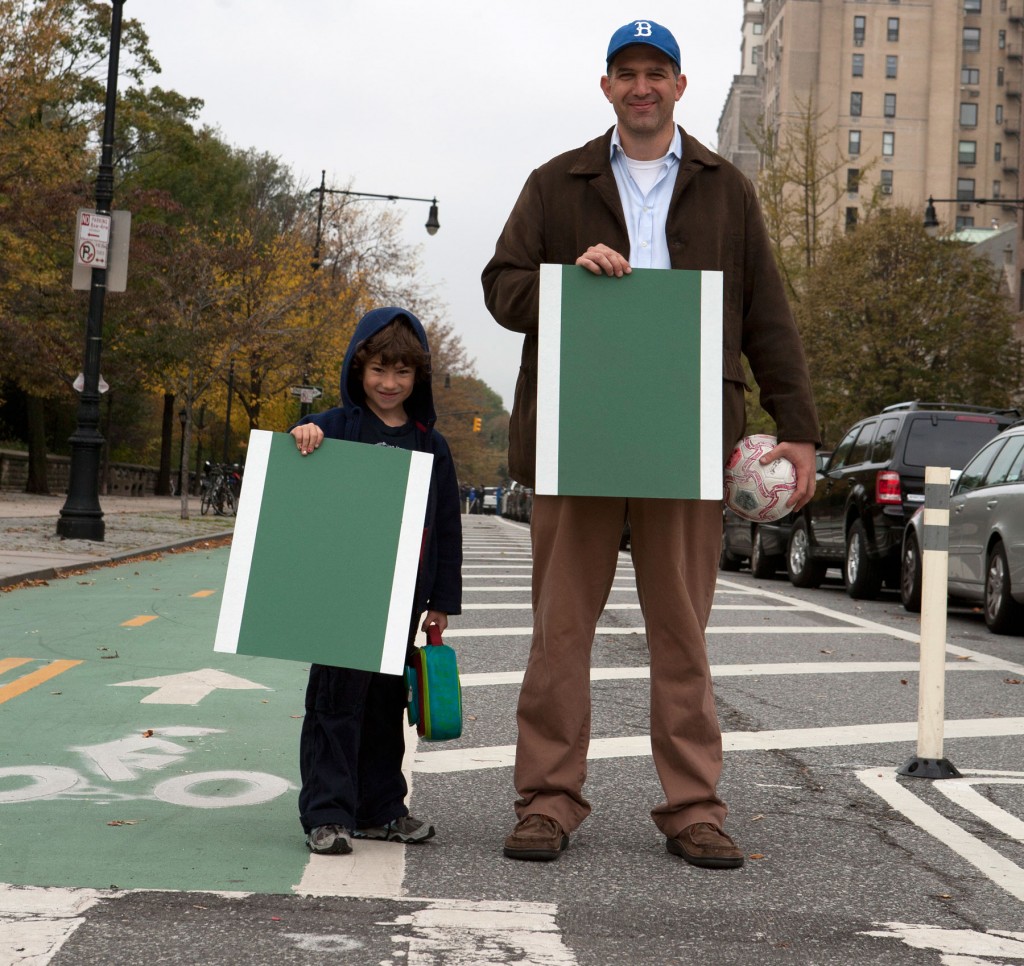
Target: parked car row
865,515
518,503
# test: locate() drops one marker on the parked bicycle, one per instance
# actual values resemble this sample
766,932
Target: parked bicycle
221,486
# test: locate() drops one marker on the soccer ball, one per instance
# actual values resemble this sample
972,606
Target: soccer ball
757,492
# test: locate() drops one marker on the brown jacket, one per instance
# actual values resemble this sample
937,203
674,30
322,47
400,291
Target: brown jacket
714,223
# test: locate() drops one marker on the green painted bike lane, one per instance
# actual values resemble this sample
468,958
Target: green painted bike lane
188,782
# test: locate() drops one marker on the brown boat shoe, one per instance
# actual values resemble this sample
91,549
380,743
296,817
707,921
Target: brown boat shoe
536,838
707,846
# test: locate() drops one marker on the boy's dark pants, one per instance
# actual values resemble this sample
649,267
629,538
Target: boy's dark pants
351,749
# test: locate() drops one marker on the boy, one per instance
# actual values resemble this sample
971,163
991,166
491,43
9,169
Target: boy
352,741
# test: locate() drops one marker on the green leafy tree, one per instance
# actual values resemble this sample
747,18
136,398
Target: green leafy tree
890,314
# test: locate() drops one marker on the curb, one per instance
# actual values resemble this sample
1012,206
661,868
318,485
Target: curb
58,573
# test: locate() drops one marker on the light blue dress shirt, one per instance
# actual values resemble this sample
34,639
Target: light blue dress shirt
646,214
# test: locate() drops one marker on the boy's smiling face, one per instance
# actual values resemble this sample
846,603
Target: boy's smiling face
387,388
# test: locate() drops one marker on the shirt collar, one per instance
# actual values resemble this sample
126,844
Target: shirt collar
675,148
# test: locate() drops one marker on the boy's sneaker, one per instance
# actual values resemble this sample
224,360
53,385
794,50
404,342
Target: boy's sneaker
407,830
329,840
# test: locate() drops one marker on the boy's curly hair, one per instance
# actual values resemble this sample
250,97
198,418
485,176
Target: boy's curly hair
396,344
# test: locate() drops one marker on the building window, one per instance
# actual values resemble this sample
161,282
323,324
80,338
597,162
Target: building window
859,27
892,29
968,115
1000,76
853,143
972,6
891,63
998,151
972,39
856,103
965,189
1002,40
964,221
888,143
758,28
997,189
852,180
999,113
967,152
889,105
858,65
755,55
851,218
885,180
970,75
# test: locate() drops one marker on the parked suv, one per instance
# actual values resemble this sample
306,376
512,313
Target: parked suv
873,483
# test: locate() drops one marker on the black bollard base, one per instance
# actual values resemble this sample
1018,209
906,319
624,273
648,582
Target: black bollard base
928,768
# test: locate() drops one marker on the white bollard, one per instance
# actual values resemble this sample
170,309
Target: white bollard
931,700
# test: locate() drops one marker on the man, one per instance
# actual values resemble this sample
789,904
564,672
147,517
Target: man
648,189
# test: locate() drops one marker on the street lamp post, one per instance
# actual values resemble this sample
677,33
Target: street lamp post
81,517
182,470
432,224
931,221
227,416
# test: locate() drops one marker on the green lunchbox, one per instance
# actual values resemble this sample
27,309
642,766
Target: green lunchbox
433,690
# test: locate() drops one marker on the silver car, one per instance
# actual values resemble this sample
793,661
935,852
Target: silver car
986,536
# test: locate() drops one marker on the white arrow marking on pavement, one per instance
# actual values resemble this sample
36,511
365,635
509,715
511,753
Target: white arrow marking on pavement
190,687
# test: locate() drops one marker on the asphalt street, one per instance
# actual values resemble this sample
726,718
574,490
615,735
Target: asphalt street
147,790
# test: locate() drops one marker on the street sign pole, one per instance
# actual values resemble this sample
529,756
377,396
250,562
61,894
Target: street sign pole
81,517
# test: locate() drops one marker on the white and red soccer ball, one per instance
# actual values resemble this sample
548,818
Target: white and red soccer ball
754,490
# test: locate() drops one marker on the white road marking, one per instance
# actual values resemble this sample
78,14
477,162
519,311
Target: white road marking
503,756
35,922
984,858
606,629
467,933
189,687
963,944
963,793
635,606
489,678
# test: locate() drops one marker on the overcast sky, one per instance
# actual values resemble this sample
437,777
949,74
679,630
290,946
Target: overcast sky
458,99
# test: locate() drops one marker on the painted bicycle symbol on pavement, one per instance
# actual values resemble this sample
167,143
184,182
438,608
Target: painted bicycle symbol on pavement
117,763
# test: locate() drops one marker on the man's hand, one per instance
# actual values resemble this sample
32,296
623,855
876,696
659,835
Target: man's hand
801,455
602,260
308,437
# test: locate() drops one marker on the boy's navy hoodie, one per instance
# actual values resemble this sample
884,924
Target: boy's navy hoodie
439,580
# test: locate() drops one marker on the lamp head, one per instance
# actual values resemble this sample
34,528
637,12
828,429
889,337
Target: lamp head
432,223
931,221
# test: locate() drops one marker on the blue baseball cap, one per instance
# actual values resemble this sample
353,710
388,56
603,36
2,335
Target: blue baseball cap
644,32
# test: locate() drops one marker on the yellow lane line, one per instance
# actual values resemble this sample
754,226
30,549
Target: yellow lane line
139,621
28,681
9,663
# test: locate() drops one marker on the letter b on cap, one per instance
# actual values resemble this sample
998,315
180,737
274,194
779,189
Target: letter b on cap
643,29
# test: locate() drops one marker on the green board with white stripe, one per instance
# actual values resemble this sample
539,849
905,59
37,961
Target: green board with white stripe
629,384
325,553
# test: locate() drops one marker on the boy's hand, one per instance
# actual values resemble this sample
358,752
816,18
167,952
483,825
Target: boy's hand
308,437
435,617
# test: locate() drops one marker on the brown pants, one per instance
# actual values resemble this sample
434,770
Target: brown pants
675,547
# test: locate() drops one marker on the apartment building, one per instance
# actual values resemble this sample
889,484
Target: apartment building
742,112
926,92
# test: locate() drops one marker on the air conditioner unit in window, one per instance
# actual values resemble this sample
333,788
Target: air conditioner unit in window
965,207
887,189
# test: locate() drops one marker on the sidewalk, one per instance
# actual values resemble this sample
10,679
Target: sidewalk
30,548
